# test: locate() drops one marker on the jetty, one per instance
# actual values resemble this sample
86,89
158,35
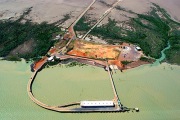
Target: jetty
113,105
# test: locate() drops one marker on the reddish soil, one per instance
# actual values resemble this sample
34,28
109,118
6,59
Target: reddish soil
40,63
116,53
77,53
96,51
117,63
53,50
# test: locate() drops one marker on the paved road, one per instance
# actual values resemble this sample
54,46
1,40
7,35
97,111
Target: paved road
82,14
71,28
102,17
62,107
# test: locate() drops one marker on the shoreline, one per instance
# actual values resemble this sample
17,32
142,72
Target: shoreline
138,81
130,66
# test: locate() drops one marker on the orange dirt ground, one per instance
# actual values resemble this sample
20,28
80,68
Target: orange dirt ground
116,62
53,50
96,51
39,64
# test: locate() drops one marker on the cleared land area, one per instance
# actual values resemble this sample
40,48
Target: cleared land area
150,28
119,55
92,50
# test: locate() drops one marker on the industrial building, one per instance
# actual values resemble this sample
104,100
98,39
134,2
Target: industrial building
97,104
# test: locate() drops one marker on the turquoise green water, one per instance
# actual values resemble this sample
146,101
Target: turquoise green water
154,89
163,55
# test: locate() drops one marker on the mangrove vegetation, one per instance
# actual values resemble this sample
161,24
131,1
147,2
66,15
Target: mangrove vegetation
150,31
14,34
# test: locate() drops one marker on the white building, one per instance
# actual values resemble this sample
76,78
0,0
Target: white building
87,39
113,67
51,58
138,48
97,104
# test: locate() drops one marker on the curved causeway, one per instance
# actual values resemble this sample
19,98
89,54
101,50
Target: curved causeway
63,108
30,94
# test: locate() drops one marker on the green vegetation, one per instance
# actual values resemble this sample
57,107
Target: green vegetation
125,62
15,33
150,31
151,38
82,24
145,59
72,64
173,54
13,58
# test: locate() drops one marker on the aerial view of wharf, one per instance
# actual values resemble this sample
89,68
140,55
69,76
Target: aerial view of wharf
107,57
